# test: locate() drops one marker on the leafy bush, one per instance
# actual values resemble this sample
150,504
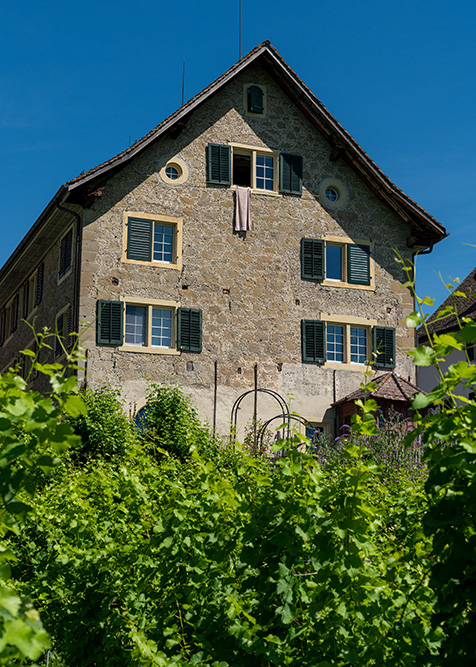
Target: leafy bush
171,423
156,566
368,559
104,429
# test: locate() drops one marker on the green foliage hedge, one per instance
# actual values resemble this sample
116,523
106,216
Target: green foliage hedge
154,566
33,436
162,557
164,548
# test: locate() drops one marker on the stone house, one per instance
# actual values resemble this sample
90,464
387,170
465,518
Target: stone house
439,323
248,235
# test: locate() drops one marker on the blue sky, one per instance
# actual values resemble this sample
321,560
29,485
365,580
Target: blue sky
79,78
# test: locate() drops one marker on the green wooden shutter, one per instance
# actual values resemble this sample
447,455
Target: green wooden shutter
34,374
290,174
255,99
2,326
15,307
189,329
39,283
219,164
313,339
312,259
26,291
69,328
139,239
383,347
110,323
65,254
358,264
69,248
59,334
62,258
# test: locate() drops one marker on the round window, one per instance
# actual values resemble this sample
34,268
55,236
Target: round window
172,172
332,194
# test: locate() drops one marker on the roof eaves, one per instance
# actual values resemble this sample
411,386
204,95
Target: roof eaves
465,307
392,189
395,197
31,233
361,162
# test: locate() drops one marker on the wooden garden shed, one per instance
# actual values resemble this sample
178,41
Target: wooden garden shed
393,394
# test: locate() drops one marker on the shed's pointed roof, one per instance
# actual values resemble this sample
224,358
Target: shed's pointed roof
389,386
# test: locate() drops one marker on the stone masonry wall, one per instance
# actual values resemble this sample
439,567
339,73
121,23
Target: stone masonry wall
249,285
56,296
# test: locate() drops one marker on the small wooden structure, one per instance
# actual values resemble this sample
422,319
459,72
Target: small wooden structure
393,394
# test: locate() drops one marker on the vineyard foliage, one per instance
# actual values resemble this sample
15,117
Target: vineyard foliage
164,547
33,437
160,561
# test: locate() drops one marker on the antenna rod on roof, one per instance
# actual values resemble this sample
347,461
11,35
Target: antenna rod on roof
183,81
239,30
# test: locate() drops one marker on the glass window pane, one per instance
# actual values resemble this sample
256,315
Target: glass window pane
264,172
172,172
136,323
163,243
358,345
161,327
335,343
334,262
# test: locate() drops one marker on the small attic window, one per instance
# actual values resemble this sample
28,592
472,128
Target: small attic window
333,193
255,99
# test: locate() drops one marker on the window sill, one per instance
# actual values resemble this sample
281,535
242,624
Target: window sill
335,365
255,191
10,337
31,315
340,284
64,276
158,265
149,350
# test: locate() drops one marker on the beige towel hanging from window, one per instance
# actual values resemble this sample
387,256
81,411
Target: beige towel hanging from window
242,209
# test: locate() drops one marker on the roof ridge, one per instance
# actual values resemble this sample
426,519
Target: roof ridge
189,102
325,122
397,382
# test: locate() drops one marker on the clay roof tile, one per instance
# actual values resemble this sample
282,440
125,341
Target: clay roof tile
390,386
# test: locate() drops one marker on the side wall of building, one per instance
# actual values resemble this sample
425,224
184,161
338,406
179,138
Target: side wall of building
247,285
428,377
39,307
